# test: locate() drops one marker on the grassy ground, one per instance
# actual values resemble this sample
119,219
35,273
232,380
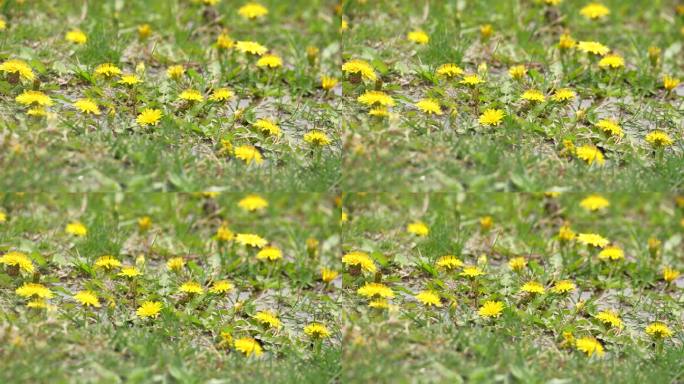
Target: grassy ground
188,149
191,340
532,339
409,150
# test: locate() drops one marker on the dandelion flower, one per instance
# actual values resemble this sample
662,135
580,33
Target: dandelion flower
659,139
144,31
149,116
251,47
517,71
267,127
87,106
612,61
269,61
18,67
594,203
149,309
17,259
449,262
328,82
221,286
533,95
491,117
471,80
566,42
360,259
592,239
253,203
563,94
429,299
491,309
250,239
221,94
107,70
590,154
590,346
191,287
376,97
317,138
418,228
610,127
670,274
418,37
191,95
471,272
361,68
594,11
175,264
449,70
34,289
129,80
532,287
328,275
563,286
252,11
610,318
34,97
249,347
175,71
107,262
517,263
270,254
87,299
371,290
593,47
670,83
268,319
611,253
429,106
76,36
249,154
317,331
658,330
129,272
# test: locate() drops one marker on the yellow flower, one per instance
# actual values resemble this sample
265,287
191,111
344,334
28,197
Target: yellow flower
564,94
376,97
224,41
594,11
611,253
248,346
317,138
221,94
609,317
175,264
191,95
491,117
3,217
670,274
3,25
429,106
129,80
418,228
223,233
590,346
610,127
253,203
191,287
517,71
564,286
517,263
17,259
252,11
533,95
328,275
658,330
267,318
418,37
76,228
144,223
144,31
317,331
371,290
449,70
486,31
565,233
379,304
19,67
221,286
249,154
670,83
471,272
449,262
129,272
594,203
34,289
149,309
251,240
612,61
659,139
532,287
328,82
592,239
344,25
491,309
87,299
251,47
267,127
593,47
149,116
107,70
270,254
34,97
269,61
361,68
429,298
590,154
76,36
361,259
566,42
471,80
175,71
107,262
87,106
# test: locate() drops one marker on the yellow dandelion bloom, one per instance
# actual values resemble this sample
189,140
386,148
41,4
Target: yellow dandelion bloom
249,347
659,139
491,117
251,47
317,331
270,254
532,287
129,272
376,97
612,62
533,95
566,42
517,263
517,71
590,346
429,299
76,228
250,239
593,47
590,154
563,286
449,70
191,287
149,309
418,36
221,286
34,289
87,106
565,233
19,68
471,80
486,31
594,11
252,11
592,239
610,127
360,259
361,68
670,83
564,94
610,318
328,275
491,309
328,82
107,262
249,154
144,223
317,138
149,116
418,228
224,41
268,319
17,259
594,203
269,61
670,274
191,95
107,70
175,264
144,31
449,262
471,272
221,94
429,106
175,71
34,97
371,290
658,330
129,80
253,203
87,299
611,253
76,36
267,127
